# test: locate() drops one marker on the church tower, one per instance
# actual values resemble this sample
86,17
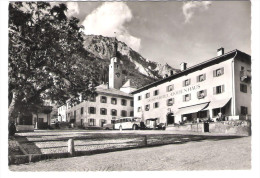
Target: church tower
115,70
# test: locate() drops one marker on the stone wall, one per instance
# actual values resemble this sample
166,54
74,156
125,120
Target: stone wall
237,127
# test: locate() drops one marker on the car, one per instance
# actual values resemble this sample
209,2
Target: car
161,126
108,126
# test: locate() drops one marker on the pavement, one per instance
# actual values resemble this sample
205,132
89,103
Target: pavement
227,154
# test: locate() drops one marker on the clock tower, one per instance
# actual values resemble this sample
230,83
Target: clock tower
115,70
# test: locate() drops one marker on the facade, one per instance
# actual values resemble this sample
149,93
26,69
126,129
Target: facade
113,101
40,120
108,105
219,85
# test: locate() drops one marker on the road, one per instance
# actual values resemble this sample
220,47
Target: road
230,154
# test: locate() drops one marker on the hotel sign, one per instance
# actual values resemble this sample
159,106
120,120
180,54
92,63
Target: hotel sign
173,93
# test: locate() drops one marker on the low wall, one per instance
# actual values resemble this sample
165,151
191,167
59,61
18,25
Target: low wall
236,127
25,128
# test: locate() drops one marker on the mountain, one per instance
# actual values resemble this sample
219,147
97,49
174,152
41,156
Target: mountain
135,67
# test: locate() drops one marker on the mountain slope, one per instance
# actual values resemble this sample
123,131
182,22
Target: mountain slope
140,70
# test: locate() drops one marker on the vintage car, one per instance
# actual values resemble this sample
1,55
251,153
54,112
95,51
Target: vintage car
109,126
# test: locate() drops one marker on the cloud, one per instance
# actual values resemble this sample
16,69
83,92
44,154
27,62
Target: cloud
73,9
109,18
189,8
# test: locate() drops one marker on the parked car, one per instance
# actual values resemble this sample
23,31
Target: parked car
109,126
161,126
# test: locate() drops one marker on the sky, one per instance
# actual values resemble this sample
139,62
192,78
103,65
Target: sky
170,32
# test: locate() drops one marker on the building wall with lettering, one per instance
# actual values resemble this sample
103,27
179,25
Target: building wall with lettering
179,90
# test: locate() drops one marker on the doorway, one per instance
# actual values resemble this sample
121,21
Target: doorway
170,119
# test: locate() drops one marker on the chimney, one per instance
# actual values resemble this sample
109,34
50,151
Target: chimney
220,51
183,66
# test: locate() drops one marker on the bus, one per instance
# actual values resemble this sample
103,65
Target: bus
133,123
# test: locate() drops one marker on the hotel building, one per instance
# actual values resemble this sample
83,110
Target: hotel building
113,101
221,84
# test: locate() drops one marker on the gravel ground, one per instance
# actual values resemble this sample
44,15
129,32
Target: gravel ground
231,154
45,142
13,148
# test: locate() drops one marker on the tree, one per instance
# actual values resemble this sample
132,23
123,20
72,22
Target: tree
46,57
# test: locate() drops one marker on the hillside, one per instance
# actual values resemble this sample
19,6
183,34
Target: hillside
135,67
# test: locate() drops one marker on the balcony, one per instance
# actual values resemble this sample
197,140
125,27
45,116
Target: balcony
245,76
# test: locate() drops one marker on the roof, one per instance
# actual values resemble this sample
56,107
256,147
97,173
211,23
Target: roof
128,84
210,62
103,88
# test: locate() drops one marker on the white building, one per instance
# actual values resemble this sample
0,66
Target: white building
113,101
221,84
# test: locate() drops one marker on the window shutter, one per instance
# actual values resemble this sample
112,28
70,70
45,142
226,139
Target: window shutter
189,81
173,101
205,93
214,90
183,83
94,122
198,78
246,88
214,73
222,88
89,110
183,97
222,70
204,76
198,94
189,97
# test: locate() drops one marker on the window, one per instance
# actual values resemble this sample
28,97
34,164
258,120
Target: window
201,78
123,113
243,110
92,98
113,121
91,122
123,102
218,89
156,105
156,92
81,110
242,68
147,107
218,110
113,112
243,88
218,72
202,94
187,97
92,110
147,95
139,97
139,109
170,88
113,101
131,113
103,111
186,82
75,113
132,103
103,99
170,102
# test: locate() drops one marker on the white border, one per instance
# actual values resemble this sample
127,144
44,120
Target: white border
255,172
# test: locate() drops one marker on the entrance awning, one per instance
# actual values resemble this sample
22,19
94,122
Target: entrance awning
217,104
192,109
